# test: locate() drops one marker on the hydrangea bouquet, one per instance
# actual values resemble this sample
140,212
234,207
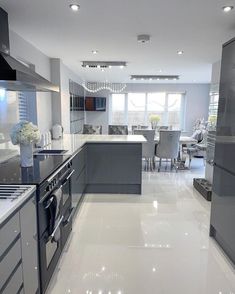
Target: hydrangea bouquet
25,134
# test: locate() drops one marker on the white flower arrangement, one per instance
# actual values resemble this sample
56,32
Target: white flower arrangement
25,133
154,118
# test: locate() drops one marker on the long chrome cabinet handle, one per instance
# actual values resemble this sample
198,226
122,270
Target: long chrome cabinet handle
58,170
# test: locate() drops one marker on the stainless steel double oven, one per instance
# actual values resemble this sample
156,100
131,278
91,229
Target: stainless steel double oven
54,220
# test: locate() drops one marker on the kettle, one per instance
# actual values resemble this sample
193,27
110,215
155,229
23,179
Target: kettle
57,132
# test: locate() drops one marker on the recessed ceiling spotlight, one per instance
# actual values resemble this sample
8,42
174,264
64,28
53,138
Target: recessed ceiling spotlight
110,66
121,66
74,7
94,51
227,8
98,66
87,66
143,38
180,52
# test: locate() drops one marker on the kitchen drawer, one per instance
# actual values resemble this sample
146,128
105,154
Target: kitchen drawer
9,232
9,262
15,282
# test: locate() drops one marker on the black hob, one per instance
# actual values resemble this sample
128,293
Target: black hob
44,165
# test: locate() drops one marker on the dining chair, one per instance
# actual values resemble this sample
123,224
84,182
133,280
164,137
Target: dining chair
92,130
148,148
138,127
198,150
168,147
118,130
160,128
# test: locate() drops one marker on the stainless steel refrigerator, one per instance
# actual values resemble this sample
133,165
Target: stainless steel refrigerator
222,226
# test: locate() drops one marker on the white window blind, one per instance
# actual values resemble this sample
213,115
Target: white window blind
23,106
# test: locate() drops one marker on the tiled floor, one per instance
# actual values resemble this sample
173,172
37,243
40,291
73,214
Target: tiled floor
156,243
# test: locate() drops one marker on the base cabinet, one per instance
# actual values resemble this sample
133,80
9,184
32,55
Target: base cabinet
29,245
19,254
79,176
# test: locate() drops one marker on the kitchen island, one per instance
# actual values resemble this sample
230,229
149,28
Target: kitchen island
113,163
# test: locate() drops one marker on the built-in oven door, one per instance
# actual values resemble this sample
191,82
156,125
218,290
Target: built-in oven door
50,242
67,210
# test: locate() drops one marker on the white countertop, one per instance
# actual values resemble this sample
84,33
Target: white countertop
72,142
8,206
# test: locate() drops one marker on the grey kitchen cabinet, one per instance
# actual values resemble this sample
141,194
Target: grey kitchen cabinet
79,176
19,252
114,168
28,223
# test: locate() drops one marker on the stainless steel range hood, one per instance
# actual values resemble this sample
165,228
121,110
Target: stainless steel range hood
14,75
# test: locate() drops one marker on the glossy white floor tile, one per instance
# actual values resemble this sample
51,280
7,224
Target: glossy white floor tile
156,243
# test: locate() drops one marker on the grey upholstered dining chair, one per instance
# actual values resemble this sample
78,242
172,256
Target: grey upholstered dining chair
168,146
138,127
160,128
118,130
92,130
148,148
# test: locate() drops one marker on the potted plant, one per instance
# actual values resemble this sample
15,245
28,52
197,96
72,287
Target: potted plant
25,134
154,120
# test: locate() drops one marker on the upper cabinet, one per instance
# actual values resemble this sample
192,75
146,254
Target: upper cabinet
95,104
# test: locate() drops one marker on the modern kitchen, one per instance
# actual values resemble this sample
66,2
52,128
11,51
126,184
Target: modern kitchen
98,163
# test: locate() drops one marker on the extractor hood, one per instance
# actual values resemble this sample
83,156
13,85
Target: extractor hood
14,75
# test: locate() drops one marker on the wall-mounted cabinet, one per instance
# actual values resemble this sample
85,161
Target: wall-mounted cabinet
76,103
95,104
77,107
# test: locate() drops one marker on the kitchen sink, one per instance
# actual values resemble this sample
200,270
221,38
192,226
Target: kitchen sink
51,151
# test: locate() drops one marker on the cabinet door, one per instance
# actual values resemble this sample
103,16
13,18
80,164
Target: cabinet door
28,222
78,187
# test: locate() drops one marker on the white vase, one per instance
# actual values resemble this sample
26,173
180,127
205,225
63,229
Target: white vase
26,155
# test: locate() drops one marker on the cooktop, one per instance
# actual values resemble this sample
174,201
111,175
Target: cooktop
44,165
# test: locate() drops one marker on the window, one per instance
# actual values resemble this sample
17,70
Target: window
156,104
118,109
135,108
27,106
175,111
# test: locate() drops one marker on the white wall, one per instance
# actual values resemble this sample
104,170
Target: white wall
61,75
23,50
215,74
197,102
215,80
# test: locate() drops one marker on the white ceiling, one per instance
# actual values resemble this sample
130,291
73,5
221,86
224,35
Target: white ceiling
199,27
